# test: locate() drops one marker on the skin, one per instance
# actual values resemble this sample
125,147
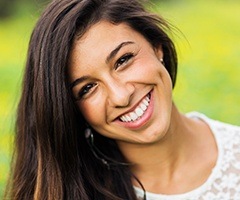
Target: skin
115,68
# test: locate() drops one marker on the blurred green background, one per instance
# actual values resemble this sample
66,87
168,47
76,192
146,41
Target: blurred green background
208,45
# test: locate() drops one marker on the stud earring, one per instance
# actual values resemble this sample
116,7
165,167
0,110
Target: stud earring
161,60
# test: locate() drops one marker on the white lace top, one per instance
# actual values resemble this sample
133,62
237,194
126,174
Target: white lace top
224,180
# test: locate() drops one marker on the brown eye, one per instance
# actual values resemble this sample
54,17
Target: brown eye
86,89
123,60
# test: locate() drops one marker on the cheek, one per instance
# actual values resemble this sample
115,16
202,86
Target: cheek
152,70
149,65
158,73
92,111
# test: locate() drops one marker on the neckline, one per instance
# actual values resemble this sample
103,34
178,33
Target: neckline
213,176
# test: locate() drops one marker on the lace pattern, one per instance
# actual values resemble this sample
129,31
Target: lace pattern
224,181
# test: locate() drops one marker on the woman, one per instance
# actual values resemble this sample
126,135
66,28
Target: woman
96,118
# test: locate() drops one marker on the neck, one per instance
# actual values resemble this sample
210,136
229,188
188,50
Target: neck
163,159
163,152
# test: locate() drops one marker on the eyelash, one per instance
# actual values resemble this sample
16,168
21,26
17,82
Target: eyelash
85,90
123,60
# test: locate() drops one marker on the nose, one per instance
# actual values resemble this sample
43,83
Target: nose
119,93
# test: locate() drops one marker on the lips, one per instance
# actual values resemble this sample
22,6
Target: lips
138,111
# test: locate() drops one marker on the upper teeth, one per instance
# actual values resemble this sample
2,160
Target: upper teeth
138,112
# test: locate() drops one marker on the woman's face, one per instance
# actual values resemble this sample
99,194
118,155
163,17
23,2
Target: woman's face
122,89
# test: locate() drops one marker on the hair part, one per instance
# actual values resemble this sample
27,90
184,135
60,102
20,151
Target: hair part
52,159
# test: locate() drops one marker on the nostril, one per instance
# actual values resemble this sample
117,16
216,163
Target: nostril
120,93
120,99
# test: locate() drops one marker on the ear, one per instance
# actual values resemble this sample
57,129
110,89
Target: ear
159,53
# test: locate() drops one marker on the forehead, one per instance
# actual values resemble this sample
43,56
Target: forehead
96,44
105,32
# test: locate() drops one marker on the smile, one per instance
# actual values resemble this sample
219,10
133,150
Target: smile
138,112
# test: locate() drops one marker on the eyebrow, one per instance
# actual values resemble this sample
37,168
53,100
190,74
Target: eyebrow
116,50
77,81
109,57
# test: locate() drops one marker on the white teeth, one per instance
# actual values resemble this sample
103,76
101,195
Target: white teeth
128,118
124,118
133,116
138,112
143,106
145,102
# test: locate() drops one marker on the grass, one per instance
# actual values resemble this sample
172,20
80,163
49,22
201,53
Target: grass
209,65
14,36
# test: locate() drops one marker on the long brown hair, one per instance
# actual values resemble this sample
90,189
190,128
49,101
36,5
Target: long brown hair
52,159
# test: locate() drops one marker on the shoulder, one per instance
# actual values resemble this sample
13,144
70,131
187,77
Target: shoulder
215,125
225,178
227,137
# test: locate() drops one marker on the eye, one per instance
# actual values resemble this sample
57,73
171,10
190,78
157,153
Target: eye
86,90
122,61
